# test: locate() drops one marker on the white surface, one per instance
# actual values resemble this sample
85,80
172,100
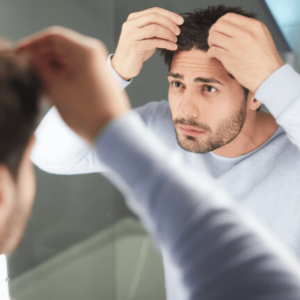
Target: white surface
3,275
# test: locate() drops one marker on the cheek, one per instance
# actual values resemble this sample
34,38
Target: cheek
174,101
223,106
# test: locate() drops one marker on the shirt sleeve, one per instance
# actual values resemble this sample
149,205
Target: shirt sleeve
59,150
122,83
222,252
281,94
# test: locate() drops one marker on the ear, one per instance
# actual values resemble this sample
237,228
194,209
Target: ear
7,207
253,104
7,186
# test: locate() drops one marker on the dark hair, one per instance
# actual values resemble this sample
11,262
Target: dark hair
20,91
195,29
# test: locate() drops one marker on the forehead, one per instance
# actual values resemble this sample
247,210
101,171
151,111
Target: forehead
195,62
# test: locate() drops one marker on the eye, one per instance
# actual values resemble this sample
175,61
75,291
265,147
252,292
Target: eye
209,89
176,84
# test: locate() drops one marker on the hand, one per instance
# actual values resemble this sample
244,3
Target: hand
246,49
141,35
73,70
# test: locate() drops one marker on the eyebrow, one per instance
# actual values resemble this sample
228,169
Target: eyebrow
198,79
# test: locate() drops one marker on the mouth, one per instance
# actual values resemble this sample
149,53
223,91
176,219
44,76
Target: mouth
190,130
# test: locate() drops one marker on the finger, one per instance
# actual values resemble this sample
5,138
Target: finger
220,40
155,18
37,45
155,43
216,52
35,40
166,13
225,28
152,31
5,44
49,37
237,20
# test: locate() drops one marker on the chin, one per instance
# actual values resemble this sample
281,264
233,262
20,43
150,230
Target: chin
191,145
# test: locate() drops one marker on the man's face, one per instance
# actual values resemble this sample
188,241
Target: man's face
208,106
16,199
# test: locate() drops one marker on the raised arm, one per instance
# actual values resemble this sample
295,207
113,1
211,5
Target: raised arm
220,253
246,49
142,33
58,150
281,94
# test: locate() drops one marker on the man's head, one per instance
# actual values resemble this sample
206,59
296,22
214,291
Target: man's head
19,94
209,107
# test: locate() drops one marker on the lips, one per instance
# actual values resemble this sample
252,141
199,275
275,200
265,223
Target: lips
190,130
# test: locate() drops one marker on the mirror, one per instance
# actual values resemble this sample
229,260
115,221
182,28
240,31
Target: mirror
82,242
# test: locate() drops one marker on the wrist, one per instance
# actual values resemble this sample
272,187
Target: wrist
115,67
276,66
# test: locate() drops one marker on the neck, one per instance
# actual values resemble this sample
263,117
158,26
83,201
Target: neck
258,128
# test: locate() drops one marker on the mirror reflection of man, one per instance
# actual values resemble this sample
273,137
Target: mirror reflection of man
225,66
104,112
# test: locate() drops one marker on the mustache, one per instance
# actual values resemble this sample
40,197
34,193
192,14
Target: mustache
190,122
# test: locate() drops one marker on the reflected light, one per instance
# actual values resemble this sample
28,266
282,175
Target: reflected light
3,275
284,11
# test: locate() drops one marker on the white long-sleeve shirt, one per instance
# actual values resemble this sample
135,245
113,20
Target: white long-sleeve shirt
264,181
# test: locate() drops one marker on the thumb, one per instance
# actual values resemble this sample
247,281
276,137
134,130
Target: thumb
217,52
210,52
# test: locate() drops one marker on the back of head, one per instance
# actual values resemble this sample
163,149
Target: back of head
20,91
196,26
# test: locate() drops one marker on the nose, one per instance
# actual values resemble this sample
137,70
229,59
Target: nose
188,107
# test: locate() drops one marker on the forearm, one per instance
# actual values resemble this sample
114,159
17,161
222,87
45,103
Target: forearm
221,254
281,94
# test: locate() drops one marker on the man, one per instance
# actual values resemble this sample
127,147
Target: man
184,211
217,131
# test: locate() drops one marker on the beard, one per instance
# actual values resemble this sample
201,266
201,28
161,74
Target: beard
227,130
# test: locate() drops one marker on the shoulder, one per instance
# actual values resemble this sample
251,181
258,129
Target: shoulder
280,146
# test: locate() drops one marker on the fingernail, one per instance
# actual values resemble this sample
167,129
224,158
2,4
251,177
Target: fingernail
176,39
177,30
180,20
